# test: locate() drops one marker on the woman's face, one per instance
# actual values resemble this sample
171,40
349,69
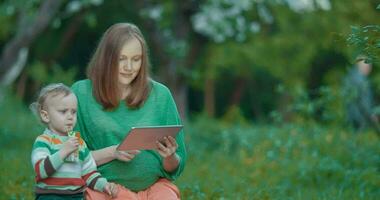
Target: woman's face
130,61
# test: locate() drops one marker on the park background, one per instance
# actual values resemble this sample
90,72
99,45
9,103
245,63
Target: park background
257,82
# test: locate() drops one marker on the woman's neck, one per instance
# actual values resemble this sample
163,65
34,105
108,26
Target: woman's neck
124,92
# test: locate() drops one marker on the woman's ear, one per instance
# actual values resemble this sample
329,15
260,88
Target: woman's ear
44,116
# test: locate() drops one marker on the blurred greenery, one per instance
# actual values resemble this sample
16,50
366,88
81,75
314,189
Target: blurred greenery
231,159
258,82
256,45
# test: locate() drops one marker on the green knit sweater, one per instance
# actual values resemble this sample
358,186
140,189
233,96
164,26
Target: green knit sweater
100,129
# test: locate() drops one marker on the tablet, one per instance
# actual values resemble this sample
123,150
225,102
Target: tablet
144,138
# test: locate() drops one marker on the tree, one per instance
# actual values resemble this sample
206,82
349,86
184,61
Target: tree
30,26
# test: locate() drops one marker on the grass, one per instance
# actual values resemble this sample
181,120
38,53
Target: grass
231,161
284,163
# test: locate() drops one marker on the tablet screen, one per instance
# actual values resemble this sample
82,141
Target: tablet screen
144,138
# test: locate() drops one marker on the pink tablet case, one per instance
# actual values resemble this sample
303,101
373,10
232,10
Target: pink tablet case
144,138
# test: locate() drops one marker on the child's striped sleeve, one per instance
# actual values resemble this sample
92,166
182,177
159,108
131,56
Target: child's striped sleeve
45,160
93,178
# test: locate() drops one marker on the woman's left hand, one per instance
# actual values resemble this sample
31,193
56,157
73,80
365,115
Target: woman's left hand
167,147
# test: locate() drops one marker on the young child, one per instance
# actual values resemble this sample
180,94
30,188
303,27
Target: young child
63,164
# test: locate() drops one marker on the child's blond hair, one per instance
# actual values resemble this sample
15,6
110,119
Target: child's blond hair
46,92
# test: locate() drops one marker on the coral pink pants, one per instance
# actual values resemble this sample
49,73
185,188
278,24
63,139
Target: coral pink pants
162,189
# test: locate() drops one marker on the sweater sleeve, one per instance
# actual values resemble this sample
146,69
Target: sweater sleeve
172,118
44,162
89,172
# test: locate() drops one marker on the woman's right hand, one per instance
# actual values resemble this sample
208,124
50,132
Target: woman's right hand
125,156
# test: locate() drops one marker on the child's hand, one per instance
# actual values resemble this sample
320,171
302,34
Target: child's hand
111,189
71,145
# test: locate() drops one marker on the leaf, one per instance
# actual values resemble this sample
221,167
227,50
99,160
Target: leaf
91,20
355,29
378,44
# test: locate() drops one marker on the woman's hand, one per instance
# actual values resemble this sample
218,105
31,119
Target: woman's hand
167,147
125,156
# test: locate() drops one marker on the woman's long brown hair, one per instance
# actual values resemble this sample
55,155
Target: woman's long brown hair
103,68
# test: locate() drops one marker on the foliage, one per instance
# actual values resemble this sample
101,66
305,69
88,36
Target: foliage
231,161
303,47
294,45
366,40
291,42
41,74
220,20
322,105
18,130
234,115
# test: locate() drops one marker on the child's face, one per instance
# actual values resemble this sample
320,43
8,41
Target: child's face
60,113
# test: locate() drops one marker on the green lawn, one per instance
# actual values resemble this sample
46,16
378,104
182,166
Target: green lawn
232,162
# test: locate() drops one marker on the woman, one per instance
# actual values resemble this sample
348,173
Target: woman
117,96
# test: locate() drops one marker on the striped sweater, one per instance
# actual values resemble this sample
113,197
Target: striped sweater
57,176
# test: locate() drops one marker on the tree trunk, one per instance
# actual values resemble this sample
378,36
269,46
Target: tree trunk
11,65
209,97
282,106
180,95
68,36
255,107
237,94
21,85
